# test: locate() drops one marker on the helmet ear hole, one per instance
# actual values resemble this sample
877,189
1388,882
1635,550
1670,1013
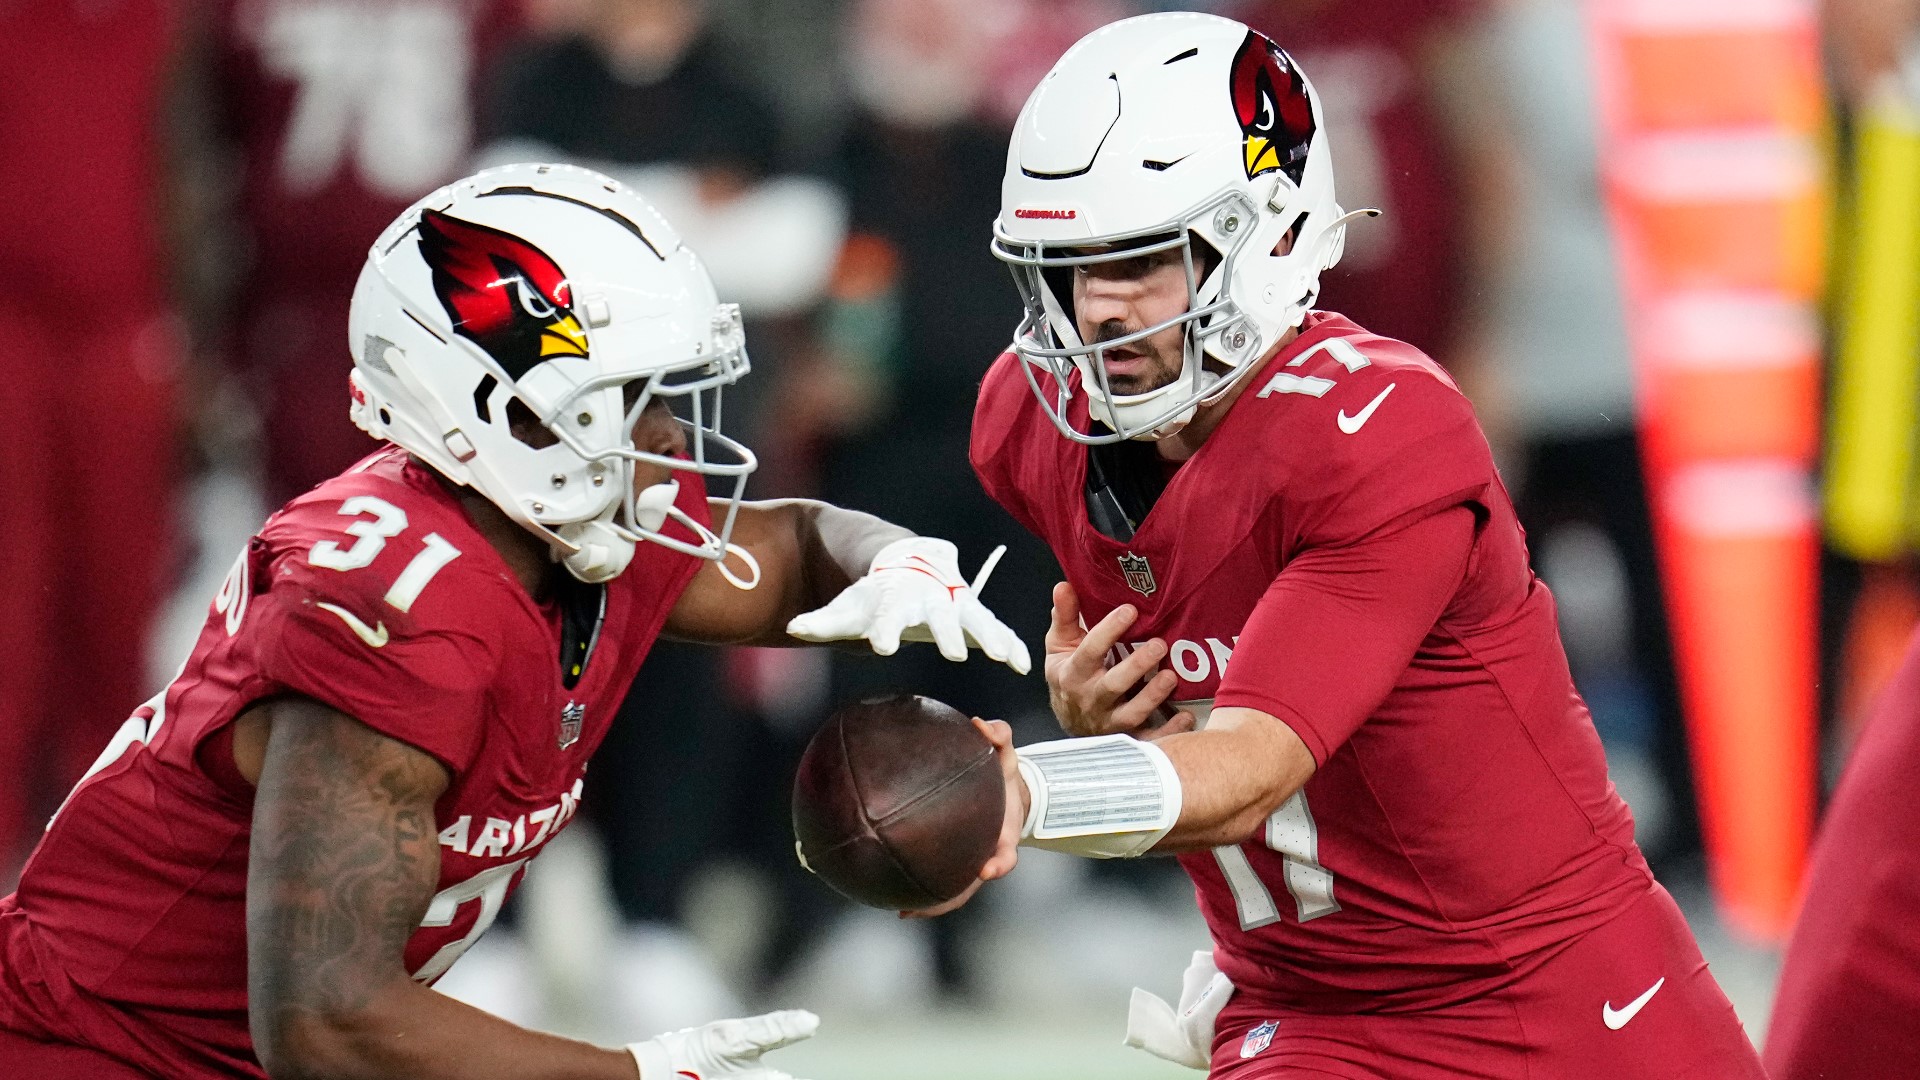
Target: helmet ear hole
1287,239
526,427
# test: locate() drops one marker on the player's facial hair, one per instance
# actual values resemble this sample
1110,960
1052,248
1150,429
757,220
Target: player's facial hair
1165,370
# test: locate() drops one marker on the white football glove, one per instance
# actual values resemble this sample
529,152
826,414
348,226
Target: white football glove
914,592
723,1048
1184,1037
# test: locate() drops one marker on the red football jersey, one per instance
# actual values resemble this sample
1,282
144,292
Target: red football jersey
1461,821
1850,988
373,594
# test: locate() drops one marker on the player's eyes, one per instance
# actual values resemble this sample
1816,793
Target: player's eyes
1138,266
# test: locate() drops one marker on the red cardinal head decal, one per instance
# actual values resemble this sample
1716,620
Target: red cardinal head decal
502,293
1270,101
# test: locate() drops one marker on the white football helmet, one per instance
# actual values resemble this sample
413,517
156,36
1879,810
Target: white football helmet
555,288
1149,134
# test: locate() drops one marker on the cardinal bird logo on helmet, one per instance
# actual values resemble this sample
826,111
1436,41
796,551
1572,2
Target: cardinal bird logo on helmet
502,293
1270,100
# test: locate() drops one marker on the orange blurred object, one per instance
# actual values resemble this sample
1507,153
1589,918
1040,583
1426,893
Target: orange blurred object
1725,77
1764,243
1711,114
1742,543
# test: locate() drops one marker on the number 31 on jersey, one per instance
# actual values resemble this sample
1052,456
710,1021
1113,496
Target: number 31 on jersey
371,534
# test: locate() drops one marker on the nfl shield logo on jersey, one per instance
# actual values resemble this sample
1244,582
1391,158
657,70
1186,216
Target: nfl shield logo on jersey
1139,574
571,718
1259,1038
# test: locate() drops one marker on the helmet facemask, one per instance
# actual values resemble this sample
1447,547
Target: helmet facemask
694,391
1048,338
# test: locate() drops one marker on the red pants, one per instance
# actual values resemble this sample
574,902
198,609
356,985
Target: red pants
1556,1022
22,1058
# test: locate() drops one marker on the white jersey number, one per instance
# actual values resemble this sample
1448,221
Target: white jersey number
1292,833
489,887
383,83
370,538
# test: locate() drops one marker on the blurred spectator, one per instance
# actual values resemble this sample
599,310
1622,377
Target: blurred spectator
1561,376
1868,40
921,309
334,115
642,90
89,353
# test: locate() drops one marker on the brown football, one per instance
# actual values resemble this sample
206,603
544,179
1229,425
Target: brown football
898,802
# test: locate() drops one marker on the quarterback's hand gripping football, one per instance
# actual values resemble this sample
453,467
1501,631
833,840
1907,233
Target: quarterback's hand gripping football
1183,1036
729,1048
914,592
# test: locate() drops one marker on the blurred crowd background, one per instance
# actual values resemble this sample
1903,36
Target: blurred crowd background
187,190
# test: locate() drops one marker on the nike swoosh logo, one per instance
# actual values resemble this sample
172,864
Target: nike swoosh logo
375,635
1351,424
1615,1019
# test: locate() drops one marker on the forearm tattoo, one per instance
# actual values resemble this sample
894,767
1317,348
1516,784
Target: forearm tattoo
343,863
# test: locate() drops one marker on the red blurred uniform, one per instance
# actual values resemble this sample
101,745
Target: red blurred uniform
372,594
343,112
89,359
1458,870
1849,999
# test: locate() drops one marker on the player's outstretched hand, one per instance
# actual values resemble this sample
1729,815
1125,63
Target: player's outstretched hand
914,592
1090,698
1183,1036
1006,853
729,1048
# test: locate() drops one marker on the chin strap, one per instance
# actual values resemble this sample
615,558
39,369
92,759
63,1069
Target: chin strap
601,552
661,501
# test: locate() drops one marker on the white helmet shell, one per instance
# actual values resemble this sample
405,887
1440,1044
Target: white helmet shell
1147,134
560,290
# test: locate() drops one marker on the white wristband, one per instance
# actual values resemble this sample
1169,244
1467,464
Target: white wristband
1106,797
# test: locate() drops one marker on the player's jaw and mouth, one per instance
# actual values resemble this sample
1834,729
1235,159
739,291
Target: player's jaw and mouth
1140,366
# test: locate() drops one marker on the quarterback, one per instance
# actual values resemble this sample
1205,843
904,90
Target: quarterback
390,708
1299,644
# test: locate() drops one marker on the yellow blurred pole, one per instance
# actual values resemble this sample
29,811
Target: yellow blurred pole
1876,382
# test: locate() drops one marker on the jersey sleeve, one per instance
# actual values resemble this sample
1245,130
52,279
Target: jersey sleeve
1394,445
1370,605
998,440
1389,481
420,676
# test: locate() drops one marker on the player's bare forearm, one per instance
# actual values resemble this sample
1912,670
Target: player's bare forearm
808,551
838,545
344,859
1233,776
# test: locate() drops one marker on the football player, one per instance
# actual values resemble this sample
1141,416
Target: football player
1849,994
392,703
1287,533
